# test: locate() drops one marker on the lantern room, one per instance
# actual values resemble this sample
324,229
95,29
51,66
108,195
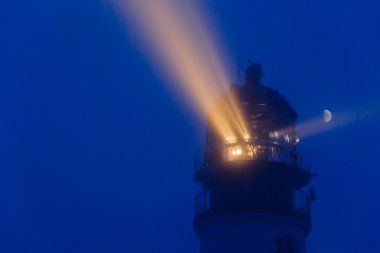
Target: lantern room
257,170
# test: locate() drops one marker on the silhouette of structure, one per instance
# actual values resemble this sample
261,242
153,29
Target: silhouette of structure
251,199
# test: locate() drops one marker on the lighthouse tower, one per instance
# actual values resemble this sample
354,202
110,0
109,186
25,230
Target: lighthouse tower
253,197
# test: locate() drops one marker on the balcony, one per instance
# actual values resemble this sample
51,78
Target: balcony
249,151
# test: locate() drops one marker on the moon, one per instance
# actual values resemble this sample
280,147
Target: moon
327,116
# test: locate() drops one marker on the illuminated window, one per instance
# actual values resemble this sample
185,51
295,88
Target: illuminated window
249,152
239,152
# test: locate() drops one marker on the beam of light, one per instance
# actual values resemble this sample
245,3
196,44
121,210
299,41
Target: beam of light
175,32
319,125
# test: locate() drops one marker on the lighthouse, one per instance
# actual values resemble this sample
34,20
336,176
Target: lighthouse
254,196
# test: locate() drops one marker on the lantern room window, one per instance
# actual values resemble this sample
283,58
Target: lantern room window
271,146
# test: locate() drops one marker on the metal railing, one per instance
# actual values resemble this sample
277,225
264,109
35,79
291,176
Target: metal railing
275,153
267,151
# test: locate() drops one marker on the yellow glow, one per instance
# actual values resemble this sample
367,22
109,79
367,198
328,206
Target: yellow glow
230,140
287,138
176,33
274,134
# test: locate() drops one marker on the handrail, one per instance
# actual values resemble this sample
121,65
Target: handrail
283,155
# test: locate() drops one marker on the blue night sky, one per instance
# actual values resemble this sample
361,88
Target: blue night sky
96,155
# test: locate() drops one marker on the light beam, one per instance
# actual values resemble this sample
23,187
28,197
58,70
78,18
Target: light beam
184,48
319,125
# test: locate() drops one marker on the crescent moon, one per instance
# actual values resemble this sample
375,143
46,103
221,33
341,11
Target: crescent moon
327,116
